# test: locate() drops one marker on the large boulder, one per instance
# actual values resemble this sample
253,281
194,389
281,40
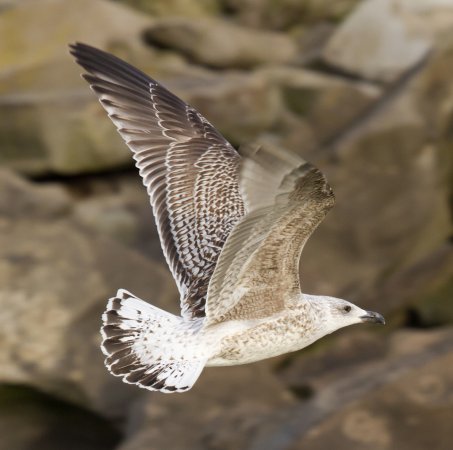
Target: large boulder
287,13
217,43
48,118
30,420
321,103
186,8
422,293
222,411
382,39
401,401
55,279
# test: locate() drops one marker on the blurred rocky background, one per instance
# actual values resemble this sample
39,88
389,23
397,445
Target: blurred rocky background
363,89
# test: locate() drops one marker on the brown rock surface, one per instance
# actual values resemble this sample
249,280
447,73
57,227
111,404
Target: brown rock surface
49,121
223,411
216,43
401,400
55,280
31,420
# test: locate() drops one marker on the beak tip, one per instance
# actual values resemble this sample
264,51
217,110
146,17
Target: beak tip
373,317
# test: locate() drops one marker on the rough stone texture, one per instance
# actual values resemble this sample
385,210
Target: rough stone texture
422,294
221,412
411,412
18,200
117,206
186,8
55,280
40,83
110,216
382,402
436,102
217,43
284,14
30,420
384,38
326,104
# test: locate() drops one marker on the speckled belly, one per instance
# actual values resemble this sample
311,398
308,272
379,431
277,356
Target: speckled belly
272,338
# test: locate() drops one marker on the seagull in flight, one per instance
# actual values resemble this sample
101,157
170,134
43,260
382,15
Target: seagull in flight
232,227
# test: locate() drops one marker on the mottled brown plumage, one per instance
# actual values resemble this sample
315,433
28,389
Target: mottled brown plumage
232,229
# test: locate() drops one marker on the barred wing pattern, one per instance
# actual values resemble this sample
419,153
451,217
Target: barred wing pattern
189,169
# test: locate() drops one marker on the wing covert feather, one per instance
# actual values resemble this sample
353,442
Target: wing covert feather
258,269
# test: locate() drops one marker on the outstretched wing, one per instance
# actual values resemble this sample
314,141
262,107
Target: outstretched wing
190,171
258,270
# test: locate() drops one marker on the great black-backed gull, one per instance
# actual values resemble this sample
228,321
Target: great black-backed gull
232,228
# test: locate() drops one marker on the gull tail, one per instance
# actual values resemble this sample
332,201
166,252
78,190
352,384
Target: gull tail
149,347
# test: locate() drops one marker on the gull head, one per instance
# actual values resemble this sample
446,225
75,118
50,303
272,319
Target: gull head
338,313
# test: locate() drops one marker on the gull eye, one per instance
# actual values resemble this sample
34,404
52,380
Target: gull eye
346,308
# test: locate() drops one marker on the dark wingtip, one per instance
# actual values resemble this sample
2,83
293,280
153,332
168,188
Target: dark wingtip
75,48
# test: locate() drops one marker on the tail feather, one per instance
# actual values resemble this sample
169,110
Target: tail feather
149,347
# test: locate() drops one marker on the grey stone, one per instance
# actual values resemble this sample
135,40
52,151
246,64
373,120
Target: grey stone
55,280
217,43
382,39
186,8
21,199
31,420
284,14
399,398
222,411
48,118
324,103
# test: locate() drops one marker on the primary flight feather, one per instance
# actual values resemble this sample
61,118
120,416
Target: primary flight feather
232,228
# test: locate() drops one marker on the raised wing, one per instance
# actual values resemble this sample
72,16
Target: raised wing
258,270
190,171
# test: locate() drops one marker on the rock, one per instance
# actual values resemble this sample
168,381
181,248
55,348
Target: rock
310,41
327,104
18,199
216,43
413,412
401,400
436,97
109,216
185,8
40,83
118,207
287,13
31,420
308,372
49,73
240,105
55,280
423,291
222,411
382,39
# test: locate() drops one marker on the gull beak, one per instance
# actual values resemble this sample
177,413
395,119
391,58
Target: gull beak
373,317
